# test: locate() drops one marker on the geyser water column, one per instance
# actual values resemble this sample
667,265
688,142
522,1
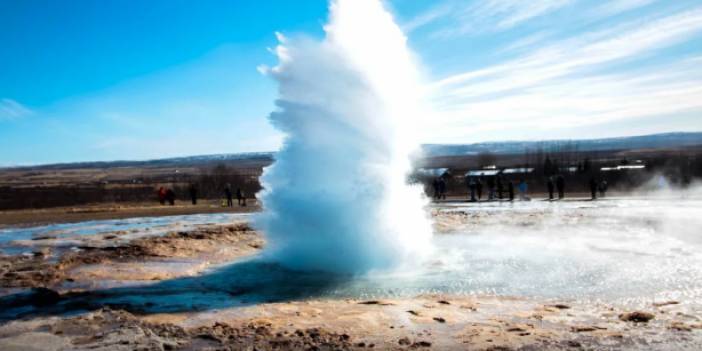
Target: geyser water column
336,198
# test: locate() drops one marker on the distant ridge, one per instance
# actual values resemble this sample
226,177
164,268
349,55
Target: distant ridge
653,141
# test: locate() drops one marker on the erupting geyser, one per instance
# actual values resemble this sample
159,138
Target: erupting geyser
336,198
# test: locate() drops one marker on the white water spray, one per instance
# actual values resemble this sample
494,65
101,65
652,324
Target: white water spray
336,198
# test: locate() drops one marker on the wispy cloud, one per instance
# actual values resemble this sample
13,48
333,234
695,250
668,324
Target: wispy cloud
463,18
569,83
11,109
615,7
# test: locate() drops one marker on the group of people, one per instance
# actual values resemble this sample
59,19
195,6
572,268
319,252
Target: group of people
556,184
439,185
167,195
496,188
240,197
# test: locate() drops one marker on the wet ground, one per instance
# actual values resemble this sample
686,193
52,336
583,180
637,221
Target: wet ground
532,275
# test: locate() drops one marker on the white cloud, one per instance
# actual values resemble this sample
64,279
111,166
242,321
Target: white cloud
487,15
615,7
562,86
11,109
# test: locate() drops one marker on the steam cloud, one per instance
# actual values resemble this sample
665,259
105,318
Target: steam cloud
336,198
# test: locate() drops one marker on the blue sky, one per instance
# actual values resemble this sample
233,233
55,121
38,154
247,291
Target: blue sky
103,80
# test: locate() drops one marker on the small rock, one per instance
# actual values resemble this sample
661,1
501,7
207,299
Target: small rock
439,319
421,344
404,341
636,317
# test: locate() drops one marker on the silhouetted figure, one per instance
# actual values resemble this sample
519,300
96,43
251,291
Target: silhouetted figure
523,188
593,188
193,193
170,197
479,188
491,188
510,190
500,187
442,188
435,184
228,195
239,196
472,186
550,186
560,185
603,188
162,195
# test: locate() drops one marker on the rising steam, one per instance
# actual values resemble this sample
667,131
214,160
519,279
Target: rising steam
336,198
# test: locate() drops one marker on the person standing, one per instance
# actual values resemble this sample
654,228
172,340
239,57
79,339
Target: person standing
442,189
472,187
523,188
170,197
593,188
491,188
193,193
510,190
228,194
435,184
550,185
239,196
162,195
560,185
479,187
500,187
603,188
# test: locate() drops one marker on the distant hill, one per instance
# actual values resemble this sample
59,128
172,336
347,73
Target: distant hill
655,141
258,159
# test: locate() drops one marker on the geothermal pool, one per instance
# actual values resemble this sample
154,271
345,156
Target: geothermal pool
627,251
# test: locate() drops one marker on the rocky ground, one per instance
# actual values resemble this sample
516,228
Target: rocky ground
425,322
199,248
51,297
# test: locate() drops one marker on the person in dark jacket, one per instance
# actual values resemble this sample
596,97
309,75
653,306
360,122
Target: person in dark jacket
442,188
550,186
500,187
593,188
560,185
510,190
240,198
228,194
170,197
479,187
472,186
193,193
491,188
435,185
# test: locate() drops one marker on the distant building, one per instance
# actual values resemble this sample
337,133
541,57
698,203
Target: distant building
483,173
623,168
513,171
